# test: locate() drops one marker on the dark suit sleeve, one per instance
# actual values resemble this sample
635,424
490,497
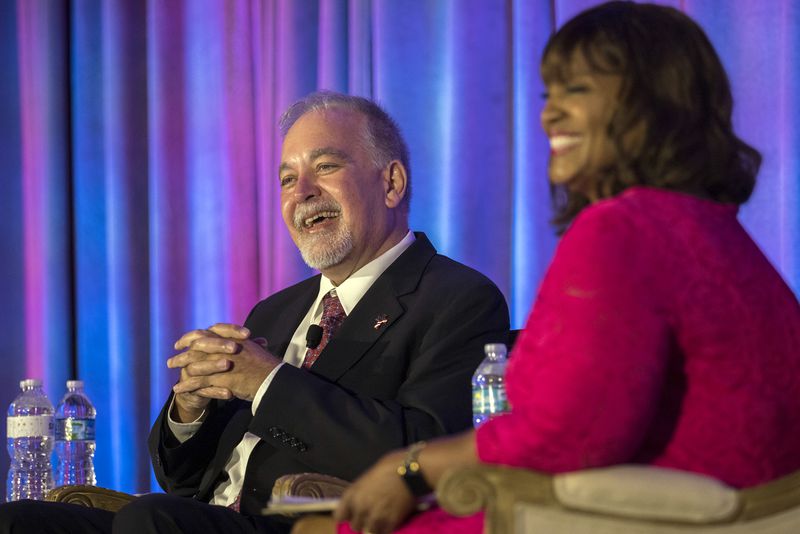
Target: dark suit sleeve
179,467
344,427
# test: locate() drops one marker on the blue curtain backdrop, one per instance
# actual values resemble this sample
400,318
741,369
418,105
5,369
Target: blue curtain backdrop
139,154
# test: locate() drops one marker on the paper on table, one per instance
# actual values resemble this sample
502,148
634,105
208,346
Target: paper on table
299,505
308,505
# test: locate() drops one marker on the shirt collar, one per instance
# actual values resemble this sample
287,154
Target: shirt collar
357,284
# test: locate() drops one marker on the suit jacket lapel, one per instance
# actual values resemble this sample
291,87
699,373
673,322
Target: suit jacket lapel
358,332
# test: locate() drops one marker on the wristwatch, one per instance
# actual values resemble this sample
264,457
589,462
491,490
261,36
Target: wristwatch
410,471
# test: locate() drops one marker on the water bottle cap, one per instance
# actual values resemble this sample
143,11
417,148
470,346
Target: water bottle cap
496,348
74,384
30,383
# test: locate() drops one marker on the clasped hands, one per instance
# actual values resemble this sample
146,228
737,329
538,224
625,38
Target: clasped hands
220,362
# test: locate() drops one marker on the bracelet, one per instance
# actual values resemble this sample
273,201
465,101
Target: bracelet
411,473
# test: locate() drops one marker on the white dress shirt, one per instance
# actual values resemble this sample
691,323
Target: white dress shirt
349,292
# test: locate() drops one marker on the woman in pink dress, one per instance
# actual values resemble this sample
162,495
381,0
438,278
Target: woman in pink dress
661,334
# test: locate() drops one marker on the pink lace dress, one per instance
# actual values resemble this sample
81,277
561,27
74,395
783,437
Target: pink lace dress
661,335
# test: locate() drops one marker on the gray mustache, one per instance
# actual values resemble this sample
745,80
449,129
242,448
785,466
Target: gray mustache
303,211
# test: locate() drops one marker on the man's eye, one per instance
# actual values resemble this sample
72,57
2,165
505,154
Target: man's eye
286,180
326,167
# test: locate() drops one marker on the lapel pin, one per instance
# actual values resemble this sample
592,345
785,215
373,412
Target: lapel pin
380,321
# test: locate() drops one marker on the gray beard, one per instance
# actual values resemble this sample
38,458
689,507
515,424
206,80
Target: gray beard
325,250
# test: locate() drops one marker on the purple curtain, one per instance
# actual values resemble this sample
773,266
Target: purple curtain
139,150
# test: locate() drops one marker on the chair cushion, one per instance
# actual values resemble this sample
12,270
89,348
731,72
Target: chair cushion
644,492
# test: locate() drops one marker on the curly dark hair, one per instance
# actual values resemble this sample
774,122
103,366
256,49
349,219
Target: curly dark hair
673,84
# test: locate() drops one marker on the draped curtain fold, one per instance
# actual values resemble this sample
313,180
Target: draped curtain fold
139,151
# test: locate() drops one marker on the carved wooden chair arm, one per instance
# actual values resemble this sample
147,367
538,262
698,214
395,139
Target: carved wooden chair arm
314,485
494,489
90,496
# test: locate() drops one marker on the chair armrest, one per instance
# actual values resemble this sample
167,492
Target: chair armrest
314,485
494,489
774,497
91,497
648,493
627,492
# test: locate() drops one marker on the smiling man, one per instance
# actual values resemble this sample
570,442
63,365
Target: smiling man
402,329
343,207
402,332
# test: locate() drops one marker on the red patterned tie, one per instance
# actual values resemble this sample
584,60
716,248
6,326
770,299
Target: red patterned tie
236,504
332,317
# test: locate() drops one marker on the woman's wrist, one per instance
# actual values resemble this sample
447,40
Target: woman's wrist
410,471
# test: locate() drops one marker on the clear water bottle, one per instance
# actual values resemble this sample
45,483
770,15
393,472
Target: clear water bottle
29,432
75,443
488,385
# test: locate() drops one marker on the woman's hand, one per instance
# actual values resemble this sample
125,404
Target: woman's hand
379,500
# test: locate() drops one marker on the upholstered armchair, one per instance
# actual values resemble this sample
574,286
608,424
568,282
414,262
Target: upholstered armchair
623,499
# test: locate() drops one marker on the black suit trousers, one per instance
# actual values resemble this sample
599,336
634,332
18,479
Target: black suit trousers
151,514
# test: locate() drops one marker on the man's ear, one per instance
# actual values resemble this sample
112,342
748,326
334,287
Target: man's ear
395,182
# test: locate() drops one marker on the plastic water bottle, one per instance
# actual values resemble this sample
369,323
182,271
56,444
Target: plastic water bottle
488,385
75,443
29,432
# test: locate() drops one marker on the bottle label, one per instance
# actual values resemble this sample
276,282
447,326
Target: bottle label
26,426
71,429
489,400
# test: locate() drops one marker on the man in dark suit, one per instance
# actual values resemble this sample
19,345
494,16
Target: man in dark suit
402,330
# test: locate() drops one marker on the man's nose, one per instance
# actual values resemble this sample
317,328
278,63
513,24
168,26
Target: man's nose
306,187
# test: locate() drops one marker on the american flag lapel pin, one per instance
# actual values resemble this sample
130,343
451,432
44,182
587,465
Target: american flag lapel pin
380,321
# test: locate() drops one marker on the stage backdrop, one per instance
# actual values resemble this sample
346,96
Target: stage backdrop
139,153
